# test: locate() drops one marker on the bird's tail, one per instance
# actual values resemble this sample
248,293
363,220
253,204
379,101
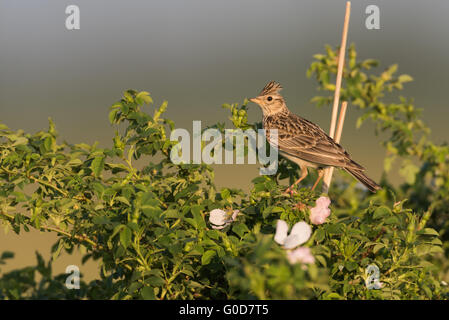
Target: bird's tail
359,175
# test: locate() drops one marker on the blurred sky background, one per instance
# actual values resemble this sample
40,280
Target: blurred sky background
199,54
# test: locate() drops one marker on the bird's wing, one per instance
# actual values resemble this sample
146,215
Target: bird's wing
301,138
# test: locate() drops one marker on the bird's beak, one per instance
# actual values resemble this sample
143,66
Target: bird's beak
255,100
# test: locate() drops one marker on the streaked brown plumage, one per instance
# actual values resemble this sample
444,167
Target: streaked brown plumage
302,141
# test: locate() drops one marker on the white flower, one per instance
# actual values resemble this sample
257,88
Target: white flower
299,234
219,219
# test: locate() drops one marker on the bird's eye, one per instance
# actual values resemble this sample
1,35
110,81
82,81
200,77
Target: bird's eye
270,98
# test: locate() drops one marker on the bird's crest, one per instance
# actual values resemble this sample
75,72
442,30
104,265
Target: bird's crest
270,88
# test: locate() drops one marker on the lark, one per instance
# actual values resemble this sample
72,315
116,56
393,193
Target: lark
302,141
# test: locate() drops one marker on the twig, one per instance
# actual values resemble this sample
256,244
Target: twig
80,238
65,194
341,60
74,236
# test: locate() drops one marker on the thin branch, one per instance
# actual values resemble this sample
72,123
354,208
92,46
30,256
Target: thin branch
48,185
57,230
64,193
75,236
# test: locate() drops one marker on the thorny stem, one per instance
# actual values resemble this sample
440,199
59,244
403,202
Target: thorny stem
48,185
57,230
64,193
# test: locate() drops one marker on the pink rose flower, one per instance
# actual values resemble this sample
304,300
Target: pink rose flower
320,212
301,255
323,202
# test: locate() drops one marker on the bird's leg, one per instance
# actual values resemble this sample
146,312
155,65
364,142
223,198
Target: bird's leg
320,175
304,173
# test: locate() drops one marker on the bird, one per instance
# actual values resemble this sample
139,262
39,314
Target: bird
303,142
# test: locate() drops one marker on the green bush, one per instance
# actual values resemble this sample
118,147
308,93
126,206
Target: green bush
149,227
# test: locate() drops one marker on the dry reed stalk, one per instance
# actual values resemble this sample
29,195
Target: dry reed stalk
341,60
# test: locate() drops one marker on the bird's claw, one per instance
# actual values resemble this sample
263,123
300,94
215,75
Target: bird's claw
300,206
290,191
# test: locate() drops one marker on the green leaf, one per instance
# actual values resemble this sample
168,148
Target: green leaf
320,234
152,212
97,166
377,247
405,78
266,212
427,291
409,171
351,265
321,260
392,220
123,200
225,194
207,257
125,237
147,293
430,231
116,230
20,141
98,188
172,213
332,296
125,108
240,229
144,96
48,143
155,281
335,228
192,222
381,212
198,217
113,115
58,250
7,255
102,220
